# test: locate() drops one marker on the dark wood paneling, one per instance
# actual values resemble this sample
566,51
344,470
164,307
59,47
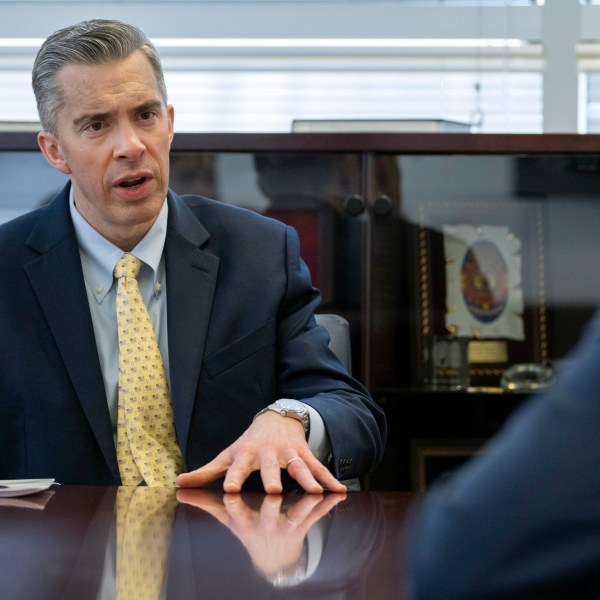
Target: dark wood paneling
414,143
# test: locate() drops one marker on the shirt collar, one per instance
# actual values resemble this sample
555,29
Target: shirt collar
99,256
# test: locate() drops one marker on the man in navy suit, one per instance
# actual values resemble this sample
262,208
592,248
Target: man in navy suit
522,519
230,299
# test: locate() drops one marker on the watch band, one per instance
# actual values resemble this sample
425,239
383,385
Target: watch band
290,408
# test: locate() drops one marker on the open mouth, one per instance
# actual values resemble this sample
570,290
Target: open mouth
131,183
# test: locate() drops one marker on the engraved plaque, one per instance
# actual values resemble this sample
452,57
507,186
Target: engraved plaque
487,352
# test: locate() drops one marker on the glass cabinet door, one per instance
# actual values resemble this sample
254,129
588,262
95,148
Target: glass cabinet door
319,194
494,267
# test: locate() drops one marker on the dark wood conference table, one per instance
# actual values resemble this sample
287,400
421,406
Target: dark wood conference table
62,544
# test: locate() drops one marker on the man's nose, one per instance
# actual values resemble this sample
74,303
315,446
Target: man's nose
129,144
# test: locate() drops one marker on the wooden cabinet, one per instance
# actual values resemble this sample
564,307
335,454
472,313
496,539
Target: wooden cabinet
453,257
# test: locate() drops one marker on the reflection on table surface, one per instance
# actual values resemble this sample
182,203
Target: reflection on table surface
95,542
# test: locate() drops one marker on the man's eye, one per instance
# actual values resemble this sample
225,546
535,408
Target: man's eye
147,115
94,126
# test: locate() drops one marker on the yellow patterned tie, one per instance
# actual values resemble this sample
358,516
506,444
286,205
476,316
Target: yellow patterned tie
147,447
144,523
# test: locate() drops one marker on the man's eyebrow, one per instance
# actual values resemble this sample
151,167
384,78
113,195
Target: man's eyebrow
152,105
90,118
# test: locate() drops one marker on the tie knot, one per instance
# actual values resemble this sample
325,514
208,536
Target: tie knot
128,266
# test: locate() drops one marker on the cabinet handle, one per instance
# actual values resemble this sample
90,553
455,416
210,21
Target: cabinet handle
354,205
382,205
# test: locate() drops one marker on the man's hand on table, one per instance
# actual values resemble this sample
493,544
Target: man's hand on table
271,443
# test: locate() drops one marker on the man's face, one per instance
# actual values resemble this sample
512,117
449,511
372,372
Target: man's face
114,137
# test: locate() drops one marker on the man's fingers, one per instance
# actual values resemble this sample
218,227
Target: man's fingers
326,478
270,473
204,475
268,449
312,475
298,468
243,464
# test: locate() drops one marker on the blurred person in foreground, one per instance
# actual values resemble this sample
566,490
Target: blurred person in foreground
521,519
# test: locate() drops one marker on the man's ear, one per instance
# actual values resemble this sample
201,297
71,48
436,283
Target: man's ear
51,150
171,117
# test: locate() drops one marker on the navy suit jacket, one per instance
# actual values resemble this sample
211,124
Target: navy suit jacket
522,520
241,334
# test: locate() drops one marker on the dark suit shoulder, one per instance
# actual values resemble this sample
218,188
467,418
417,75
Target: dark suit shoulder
14,235
40,230
19,227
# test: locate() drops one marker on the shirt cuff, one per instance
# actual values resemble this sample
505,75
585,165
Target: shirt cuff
318,441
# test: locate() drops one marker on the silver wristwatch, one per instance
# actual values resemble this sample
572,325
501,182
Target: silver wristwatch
290,408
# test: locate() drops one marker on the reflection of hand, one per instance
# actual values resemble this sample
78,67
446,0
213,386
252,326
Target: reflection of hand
273,538
267,445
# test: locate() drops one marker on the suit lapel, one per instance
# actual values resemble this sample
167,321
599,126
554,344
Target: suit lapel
65,306
191,281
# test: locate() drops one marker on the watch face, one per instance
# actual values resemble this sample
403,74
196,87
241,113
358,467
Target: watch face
292,405
296,410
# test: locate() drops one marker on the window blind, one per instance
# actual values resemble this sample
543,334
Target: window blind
268,101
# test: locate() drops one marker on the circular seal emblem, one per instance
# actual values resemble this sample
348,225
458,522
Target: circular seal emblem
484,281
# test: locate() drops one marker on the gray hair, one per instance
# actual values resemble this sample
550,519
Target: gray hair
94,42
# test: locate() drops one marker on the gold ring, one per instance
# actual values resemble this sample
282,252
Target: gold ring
292,460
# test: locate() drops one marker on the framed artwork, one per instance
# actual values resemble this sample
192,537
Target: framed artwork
435,458
480,292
